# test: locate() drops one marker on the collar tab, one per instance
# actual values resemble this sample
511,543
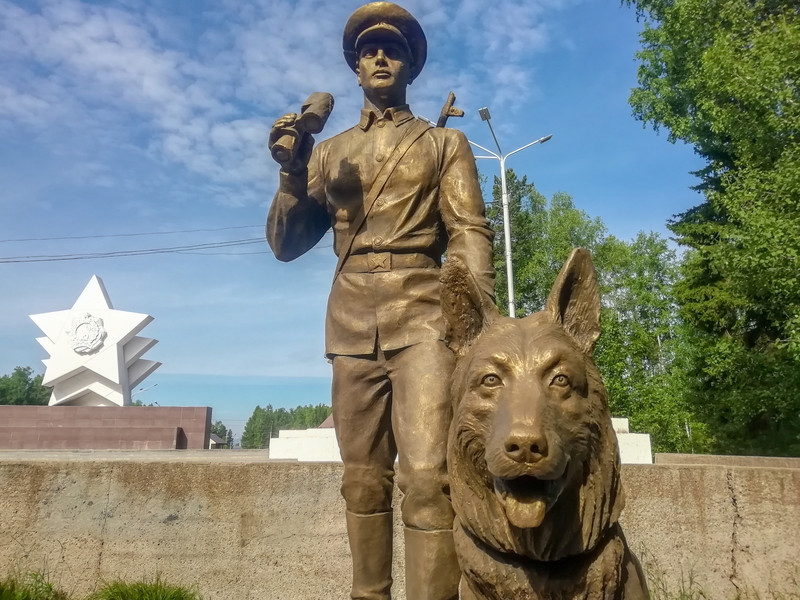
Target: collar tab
396,114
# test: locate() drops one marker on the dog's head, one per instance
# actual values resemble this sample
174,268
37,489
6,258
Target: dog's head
532,455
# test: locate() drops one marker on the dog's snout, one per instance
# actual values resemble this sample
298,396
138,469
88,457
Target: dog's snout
526,446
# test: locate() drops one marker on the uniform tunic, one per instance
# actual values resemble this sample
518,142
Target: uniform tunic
430,204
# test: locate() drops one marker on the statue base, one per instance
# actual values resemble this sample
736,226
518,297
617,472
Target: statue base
104,427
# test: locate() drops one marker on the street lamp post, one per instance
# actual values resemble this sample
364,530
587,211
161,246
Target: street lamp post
485,116
142,390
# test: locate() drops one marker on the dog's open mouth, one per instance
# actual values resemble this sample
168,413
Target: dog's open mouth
526,498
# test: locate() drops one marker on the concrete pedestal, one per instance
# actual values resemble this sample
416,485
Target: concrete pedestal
104,427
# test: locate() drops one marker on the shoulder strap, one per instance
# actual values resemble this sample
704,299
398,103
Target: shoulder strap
412,134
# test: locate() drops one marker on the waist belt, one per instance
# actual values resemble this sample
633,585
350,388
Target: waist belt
378,262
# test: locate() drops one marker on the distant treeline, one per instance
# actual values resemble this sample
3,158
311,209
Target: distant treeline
23,387
265,423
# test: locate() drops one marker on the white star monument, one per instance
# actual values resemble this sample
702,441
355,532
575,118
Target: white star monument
95,354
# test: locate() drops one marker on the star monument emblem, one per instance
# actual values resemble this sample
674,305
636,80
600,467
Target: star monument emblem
95,354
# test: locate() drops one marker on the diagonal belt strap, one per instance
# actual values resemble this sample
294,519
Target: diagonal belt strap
414,131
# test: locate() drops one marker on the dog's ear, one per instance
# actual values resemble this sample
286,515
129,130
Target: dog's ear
466,309
574,300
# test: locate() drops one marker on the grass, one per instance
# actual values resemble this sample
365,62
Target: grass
143,590
35,586
690,588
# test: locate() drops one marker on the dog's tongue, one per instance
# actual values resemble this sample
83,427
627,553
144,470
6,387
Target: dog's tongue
525,513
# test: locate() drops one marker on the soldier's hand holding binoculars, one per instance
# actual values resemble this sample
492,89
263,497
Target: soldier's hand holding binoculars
290,147
290,140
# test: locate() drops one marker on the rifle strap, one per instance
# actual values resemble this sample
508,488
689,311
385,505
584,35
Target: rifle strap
412,134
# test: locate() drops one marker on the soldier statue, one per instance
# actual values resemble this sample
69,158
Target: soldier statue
399,194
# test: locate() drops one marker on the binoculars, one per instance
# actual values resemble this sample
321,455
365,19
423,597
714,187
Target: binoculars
313,115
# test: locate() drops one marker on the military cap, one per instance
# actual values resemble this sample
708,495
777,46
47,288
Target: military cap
385,19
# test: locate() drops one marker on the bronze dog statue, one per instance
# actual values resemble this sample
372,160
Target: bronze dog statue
532,456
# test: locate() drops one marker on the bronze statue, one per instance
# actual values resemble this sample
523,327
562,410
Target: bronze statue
532,455
398,195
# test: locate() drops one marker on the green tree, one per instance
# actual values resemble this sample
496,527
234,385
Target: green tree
265,423
542,237
640,351
724,76
636,353
307,417
23,387
219,428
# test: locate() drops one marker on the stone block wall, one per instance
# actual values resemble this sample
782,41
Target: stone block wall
104,427
237,525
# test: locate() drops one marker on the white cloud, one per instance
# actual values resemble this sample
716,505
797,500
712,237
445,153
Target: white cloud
89,56
202,93
18,105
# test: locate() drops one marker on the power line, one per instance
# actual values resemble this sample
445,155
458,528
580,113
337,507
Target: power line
192,249
121,253
118,235
201,253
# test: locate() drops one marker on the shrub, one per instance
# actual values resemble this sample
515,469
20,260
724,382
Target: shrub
143,590
33,586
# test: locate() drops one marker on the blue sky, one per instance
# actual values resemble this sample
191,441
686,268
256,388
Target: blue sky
128,117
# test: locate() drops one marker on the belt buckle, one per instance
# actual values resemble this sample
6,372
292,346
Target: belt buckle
379,262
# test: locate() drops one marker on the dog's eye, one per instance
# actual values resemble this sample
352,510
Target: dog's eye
560,380
491,380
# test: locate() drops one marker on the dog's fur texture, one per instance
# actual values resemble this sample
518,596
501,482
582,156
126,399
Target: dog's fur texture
532,456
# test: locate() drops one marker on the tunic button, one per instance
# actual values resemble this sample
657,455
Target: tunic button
380,122
380,202
379,158
378,242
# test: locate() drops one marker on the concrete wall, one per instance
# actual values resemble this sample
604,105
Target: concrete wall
772,462
239,526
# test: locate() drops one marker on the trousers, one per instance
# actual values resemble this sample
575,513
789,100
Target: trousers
395,405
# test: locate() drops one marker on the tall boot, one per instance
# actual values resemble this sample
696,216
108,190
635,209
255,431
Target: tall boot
370,539
432,571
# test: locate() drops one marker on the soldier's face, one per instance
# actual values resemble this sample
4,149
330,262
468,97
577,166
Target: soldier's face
383,67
